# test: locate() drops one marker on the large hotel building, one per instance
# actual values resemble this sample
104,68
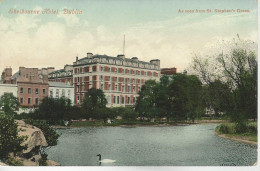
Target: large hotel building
120,78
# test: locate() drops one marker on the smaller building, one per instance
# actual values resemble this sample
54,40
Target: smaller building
8,88
59,89
168,71
62,75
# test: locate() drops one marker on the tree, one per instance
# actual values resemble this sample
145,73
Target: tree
129,114
94,104
9,104
163,97
185,94
54,110
10,142
146,101
236,67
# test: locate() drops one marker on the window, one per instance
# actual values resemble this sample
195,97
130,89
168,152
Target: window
118,100
44,91
29,91
109,87
51,93
129,88
63,93
21,90
36,91
102,86
109,69
116,70
123,100
102,69
21,100
133,99
114,99
29,100
116,79
78,100
134,89
102,78
123,88
57,93
128,100
37,101
116,87
78,79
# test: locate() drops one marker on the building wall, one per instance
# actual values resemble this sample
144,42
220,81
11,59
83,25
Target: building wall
31,94
120,84
8,88
58,92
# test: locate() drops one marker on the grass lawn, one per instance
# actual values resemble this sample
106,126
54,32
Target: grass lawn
229,130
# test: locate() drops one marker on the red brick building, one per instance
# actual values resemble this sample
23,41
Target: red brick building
120,78
168,71
32,86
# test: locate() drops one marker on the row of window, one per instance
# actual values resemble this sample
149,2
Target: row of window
115,70
29,101
110,78
29,91
57,95
123,88
123,100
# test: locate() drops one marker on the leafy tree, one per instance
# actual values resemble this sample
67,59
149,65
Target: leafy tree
10,142
94,104
235,65
185,92
163,97
146,101
129,114
54,110
9,104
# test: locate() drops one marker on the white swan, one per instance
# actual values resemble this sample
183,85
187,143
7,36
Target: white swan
105,160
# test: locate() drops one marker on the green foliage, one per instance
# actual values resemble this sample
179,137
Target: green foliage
8,104
185,97
43,160
226,128
50,134
241,127
146,101
129,114
9,139
54,110
13,162
232,86
94,105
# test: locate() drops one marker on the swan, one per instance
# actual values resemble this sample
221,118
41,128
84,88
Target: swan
105,160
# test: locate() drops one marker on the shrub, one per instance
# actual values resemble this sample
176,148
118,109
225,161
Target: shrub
13,162
252,128
10,142
226,128
240,128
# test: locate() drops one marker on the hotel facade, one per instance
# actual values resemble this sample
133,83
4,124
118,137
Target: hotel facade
120,78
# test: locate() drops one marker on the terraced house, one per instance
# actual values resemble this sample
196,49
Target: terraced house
120,78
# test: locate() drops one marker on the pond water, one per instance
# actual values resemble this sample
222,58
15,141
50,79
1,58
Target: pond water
193,145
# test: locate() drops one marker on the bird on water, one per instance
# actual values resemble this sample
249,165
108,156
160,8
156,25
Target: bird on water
105,160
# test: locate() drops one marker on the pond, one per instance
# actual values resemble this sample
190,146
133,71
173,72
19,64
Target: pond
193,145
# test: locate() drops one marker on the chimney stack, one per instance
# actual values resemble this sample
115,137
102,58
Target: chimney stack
156,62
121,56
89,55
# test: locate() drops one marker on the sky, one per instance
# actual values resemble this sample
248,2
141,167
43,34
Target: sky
153,29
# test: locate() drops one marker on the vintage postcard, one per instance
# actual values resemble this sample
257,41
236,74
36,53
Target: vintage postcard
129,83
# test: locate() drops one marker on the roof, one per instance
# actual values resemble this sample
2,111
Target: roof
111,57
59,84
16,75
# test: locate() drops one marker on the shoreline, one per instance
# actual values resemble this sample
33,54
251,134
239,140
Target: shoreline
236,139
153,124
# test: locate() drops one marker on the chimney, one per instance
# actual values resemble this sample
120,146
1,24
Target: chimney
135,59
89,55
77,58
121,56
156,62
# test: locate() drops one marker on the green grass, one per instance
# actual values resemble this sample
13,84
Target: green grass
230,130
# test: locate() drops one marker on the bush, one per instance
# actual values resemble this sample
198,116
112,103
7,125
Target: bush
240,128
49,133
10,142
226,128
13,162
252,128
